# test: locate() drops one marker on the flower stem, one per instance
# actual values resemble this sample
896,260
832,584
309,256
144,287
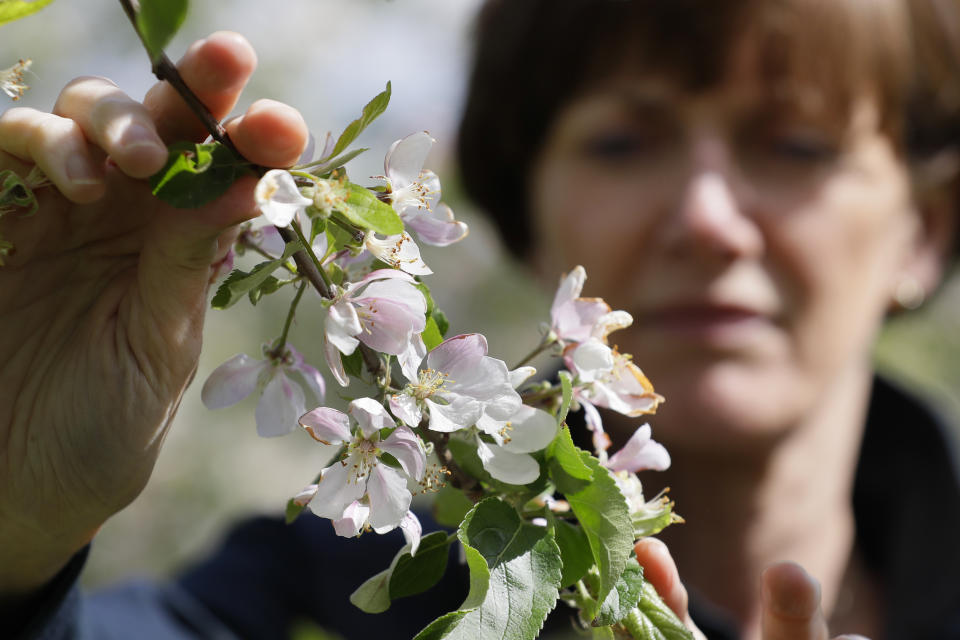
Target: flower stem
544,344
282,340
313,258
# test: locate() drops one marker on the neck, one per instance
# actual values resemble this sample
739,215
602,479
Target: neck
789,501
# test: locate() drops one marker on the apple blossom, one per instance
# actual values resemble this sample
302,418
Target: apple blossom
459,384
507,458
278,197
360,489
281,400
398,251
572,317
386,312
415,192
622,387
11,79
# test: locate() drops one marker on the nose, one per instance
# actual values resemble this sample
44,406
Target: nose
710,219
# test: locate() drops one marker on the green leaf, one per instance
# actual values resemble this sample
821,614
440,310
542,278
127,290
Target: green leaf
654,620
623,597
406,576
293,511
240,283
604,515
325,168
567,469
566,386
602,633
268,286
353,364
370,113
196,174
11,10
361,207
158,21
574,551
450,506
431,334
443,325
416,574
524,567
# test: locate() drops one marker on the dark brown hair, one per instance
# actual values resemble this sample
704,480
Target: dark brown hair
533,56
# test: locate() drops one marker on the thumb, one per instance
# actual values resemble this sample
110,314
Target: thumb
791,604
176,258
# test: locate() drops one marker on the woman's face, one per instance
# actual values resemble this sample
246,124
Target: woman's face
756,242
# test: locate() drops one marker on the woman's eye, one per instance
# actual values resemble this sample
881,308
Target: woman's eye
618,146
801,149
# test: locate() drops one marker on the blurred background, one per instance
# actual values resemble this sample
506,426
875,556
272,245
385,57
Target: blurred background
327,58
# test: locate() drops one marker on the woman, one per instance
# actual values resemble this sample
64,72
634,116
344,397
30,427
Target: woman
108,296
756,183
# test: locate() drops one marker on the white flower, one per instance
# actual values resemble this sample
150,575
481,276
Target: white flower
385,312
281,400
622,387
641,453
572,317
11,79
361,489
459,385
415,192
399,251
507,459
278,197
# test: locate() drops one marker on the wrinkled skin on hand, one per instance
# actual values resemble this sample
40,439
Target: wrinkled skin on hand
102,303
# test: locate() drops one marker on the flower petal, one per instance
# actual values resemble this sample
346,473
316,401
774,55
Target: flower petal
389,497
531,430
327,425
520,375
512,468
338,488
641,452
305,495
404,160
370,415
280,406
460,413
404,445
354,517
592,359
437,227
278,197
399,251
342,325
232,381
412,356
412,530
334,363
405,407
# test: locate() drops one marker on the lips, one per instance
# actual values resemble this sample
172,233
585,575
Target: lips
706,320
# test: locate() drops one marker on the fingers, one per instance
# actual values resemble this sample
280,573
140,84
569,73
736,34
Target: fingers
216,69
115,122
661,571
58,146
791,604
270,134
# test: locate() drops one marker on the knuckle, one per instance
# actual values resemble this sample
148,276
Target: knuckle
80,87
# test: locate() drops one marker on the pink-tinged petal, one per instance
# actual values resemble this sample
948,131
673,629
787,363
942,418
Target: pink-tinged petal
570,287
404,445
312,379
601,441
462,412
412,530
309,150
399,292
398,251
388,326
404,160
222,268
338,488
531,430
280,406
411,357
305,495
592,359
520,375
342,325
512,468
267,238
232,381
278,197
640,453
327,425
380,274
437,227
610,322
465,348
389,497
354,518
405,408
334,363
370,415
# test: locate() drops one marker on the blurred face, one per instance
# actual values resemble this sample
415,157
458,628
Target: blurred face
754,241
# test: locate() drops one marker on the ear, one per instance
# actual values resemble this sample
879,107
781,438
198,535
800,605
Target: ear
937,200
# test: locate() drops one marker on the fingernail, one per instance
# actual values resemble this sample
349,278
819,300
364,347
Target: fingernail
80,171
796,594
